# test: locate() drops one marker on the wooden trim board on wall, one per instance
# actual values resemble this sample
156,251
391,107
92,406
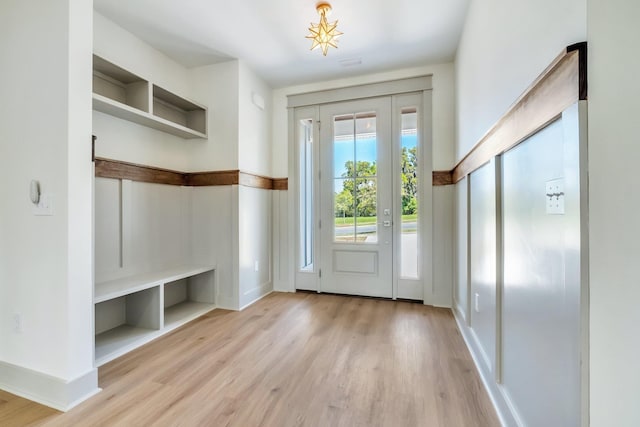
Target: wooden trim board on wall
108,168
202,179
280,183
560,85
116,169
563,83
442,178
255,181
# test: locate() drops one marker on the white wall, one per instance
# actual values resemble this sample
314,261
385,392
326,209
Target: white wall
482,261
116,44
254,134
443,111
215,86
239,133
279,242
34,147
499,55
80,191
218,86
213,236
45,130
504,46
140,227
122,140
614,201
207,237
254,258
542,285
239,137
460,248
254,205
442,258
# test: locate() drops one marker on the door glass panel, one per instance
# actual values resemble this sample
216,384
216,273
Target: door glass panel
366,144
343,145
355,174
409,177
305,148
366,208
344,206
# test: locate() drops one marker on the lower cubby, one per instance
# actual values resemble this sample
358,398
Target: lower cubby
125,323
134,310
188,298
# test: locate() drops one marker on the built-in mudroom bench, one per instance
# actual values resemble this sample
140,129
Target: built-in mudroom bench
179,229
134,310
149,279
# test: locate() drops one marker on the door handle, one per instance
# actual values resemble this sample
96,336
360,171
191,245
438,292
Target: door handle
386,223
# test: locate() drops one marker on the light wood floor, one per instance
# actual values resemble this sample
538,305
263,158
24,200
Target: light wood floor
289,360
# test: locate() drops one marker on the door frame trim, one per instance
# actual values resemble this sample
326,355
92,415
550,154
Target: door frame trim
354,93
419,84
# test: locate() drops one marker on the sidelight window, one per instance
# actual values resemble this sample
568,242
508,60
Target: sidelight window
409,171
305,136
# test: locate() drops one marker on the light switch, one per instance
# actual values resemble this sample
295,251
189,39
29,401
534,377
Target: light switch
44,206
554,194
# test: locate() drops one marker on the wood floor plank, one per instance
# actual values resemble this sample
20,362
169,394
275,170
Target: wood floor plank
299,359
17,412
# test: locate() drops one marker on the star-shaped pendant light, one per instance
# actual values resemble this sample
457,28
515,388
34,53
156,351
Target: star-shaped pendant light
324,34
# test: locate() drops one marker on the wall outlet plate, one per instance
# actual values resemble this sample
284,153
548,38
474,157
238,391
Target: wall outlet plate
17,323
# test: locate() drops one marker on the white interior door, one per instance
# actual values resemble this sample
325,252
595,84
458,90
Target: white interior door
356,202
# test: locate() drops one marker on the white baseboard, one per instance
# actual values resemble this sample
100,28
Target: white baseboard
256,294
501,403
226,304
46,389
441,305
460,311
480,351
282,286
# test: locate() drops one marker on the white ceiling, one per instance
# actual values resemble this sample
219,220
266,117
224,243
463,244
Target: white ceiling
269,35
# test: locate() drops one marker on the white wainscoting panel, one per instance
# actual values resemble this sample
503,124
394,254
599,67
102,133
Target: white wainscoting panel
482,263
140,227
213,217
541,363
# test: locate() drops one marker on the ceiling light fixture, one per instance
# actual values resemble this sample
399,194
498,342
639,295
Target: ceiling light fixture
324,34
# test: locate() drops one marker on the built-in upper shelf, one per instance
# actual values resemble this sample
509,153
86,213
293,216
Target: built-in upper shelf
122,94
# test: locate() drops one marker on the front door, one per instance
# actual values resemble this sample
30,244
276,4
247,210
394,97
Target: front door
356,202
